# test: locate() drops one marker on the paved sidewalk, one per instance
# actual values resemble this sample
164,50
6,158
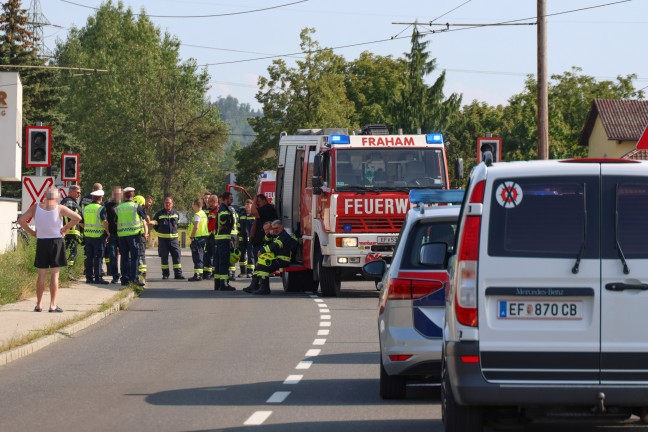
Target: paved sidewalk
18,320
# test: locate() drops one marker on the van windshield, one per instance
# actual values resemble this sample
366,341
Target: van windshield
386,169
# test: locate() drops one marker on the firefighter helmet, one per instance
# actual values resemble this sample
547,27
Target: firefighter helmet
235,255
139,199
265,259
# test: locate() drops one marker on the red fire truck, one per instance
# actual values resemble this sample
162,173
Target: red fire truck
265,185
346,197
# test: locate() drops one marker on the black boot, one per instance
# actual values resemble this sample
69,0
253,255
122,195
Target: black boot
208,275
264,288
165,274
253,286
225,286
196,277
232,275
178,275
217,284
250,273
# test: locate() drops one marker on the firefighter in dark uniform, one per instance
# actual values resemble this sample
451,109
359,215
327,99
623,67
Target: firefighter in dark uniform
268,238
208,260
234,240
166,225
73,236
223,243
246,219
274,256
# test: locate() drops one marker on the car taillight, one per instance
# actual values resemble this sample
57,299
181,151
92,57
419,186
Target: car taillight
408,289
466,270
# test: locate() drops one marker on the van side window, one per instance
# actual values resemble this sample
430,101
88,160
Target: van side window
633,227
531,217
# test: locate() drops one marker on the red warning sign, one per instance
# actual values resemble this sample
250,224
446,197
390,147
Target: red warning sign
509,194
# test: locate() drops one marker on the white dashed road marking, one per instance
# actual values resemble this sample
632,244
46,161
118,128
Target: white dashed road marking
321,305
325,317
319,341
278,397
313,352
293,379
324,332
325,311
304,365
325,324
258,418
318,300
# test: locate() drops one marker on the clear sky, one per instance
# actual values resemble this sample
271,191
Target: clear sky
488,63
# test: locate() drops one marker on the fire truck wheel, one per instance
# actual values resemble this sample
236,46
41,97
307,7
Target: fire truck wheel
297,281
329,280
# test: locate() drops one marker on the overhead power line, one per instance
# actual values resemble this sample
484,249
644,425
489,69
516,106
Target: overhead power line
406,37
77,69
198,16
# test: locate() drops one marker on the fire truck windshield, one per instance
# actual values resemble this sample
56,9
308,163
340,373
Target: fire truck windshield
385,169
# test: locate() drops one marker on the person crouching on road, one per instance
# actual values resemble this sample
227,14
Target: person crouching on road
268,238
130,221
274,256
50,247
166,225
95,228
198,236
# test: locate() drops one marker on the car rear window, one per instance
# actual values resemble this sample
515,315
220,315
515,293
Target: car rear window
534,217
423,233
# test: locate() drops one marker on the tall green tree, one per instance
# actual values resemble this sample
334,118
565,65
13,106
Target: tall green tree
373,83
42,88
311,94
419,105
147,122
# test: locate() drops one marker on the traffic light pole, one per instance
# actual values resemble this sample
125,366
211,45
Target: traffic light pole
40,171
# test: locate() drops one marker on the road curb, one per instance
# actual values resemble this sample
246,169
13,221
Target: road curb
63,333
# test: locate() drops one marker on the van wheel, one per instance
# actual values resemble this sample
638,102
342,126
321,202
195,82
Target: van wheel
329,281
457,418
391,387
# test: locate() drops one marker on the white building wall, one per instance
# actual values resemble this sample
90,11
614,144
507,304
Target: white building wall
8,214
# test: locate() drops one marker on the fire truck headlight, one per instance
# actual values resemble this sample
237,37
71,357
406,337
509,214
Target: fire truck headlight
347,242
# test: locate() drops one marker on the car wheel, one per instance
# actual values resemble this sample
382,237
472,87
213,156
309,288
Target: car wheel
391,387
457,418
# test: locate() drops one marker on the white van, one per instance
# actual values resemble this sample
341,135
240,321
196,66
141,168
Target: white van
547,313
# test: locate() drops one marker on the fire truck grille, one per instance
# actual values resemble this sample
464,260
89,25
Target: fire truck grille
377,225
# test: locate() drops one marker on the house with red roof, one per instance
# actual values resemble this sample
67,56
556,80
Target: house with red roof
613,127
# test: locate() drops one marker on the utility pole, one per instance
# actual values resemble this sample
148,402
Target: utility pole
543,97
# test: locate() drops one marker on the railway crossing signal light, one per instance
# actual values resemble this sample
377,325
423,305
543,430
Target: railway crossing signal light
70,167
39,146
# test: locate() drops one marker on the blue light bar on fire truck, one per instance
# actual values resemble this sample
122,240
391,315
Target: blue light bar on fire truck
336,139
424,197
434,139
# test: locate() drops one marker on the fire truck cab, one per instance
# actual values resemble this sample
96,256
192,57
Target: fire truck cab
346,197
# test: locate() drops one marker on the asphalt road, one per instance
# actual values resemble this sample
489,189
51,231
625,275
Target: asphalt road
186,358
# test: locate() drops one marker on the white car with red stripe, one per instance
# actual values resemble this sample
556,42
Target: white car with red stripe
546,314
412,297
